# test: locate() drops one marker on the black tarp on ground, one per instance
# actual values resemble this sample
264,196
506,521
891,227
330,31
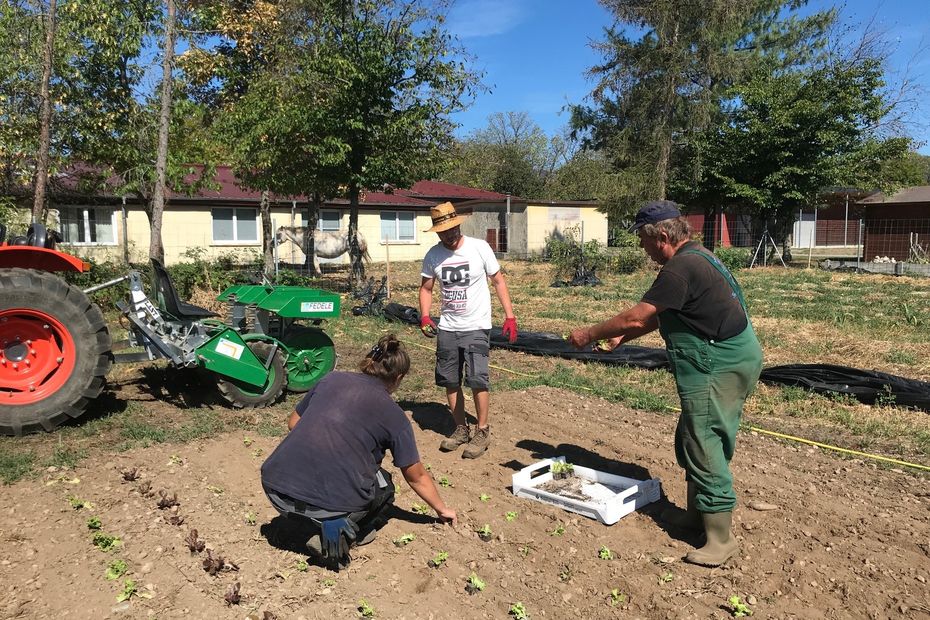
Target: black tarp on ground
866,386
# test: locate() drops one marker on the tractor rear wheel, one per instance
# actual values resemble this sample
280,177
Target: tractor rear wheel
241,395
54,351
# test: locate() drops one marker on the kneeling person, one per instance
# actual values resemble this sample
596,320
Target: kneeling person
328,471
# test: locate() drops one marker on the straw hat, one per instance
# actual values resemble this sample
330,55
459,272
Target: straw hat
444,217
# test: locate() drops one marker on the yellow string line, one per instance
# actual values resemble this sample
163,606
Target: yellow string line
744,426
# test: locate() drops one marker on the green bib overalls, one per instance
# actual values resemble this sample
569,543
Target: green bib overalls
713,380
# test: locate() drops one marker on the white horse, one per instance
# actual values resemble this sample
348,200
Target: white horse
325,244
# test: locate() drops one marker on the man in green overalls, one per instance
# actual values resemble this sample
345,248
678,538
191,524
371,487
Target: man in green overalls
714,355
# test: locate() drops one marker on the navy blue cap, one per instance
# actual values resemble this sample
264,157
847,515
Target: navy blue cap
654,212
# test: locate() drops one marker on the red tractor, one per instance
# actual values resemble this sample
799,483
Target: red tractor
55,349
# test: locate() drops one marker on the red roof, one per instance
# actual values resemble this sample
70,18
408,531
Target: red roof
451,191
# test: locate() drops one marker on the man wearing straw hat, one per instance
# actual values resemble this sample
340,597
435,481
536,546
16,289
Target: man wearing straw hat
462,266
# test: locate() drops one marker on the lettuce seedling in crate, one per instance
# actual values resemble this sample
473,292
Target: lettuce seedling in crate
562,470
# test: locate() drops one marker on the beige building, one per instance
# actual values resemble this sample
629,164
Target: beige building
225,221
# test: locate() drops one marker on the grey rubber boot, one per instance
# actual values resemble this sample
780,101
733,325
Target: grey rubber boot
688,519
721,544
459,437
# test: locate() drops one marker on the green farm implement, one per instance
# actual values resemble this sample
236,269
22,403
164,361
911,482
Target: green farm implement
55,347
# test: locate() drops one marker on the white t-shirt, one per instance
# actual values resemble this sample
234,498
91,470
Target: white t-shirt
463,283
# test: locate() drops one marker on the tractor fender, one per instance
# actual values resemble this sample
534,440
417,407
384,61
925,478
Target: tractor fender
40,259
227,354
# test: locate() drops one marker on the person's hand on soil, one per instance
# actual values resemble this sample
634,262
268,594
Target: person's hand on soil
580,338
607,345
447,515
428,327
509,330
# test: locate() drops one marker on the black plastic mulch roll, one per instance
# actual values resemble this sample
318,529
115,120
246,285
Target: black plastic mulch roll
543,343
866,386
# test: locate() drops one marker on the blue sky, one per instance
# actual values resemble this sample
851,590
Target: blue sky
535,53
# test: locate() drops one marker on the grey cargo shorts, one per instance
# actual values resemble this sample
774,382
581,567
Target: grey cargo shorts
459,353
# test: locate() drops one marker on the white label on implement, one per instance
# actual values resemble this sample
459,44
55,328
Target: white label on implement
229,348
316,306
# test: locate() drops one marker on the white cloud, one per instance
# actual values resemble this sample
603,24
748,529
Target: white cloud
484,18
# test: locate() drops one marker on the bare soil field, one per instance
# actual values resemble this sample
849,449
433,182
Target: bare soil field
838,537
846,538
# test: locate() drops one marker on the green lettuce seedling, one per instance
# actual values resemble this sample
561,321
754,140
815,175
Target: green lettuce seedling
129,590
404,540
474,584
439,559
115,570
484,497
93,523
738,608
420,509
485,533
444,482
617,597
106,542
558,531
518,611
365,609
302,566
605,553
511,515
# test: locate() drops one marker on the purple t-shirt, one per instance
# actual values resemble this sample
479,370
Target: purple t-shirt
330,458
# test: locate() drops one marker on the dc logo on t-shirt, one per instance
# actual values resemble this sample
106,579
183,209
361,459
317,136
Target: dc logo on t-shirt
455,275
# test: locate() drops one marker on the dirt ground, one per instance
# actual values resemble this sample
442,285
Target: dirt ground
847,539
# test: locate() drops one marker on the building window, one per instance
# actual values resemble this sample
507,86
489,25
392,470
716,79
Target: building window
398,226
235,225
88,225
330,221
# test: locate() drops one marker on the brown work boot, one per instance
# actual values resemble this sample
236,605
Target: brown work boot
479,443
459,436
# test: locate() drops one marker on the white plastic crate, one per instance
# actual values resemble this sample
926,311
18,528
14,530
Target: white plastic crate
612,497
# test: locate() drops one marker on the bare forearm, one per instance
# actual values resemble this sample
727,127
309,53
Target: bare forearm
426,489
426,301
624,326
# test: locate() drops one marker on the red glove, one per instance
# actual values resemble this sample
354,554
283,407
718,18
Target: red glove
427,326
509,330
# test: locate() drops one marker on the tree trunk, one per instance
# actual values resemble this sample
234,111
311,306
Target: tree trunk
313,219
267,235
45,118
156,248
355,253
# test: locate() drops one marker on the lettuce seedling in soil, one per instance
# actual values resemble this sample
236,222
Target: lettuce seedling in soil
302,566
329,582
365,610
420,509
666,577
195,545
558,531
115,570
167,502
484,497
474,584
511,515
605,553
78,503
250,518
485,533
565,573
232,594
106,542
131,475
439,559
518,611
617,597
129,589
738,609
444,482
247,441
94,523
404,540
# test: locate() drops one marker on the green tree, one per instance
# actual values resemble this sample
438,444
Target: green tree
397,75
796,132
666,67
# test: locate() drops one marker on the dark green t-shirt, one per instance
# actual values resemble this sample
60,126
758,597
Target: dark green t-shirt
701,297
